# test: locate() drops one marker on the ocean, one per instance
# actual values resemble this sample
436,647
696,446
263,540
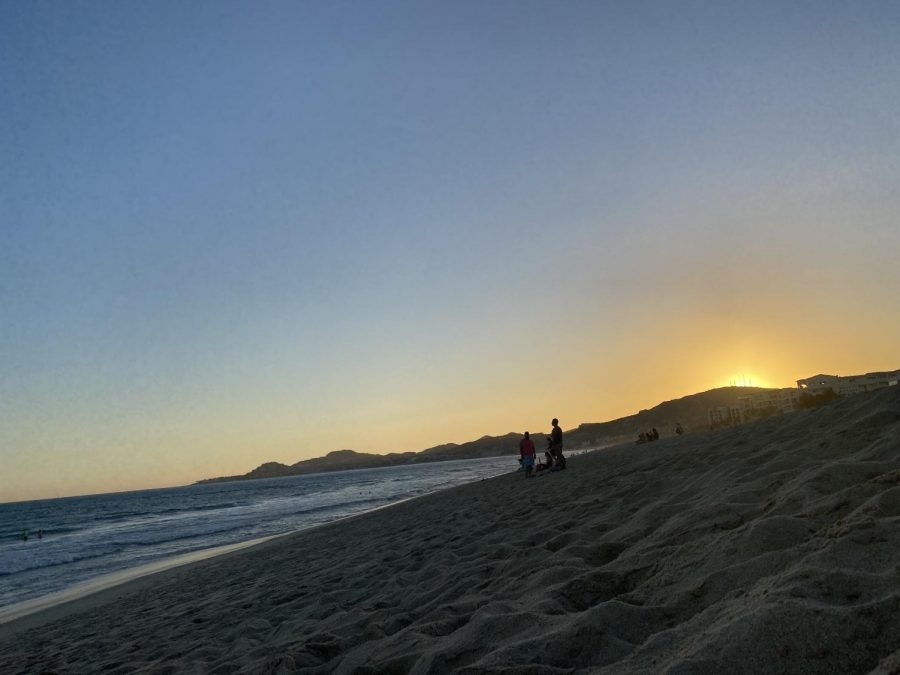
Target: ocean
88,537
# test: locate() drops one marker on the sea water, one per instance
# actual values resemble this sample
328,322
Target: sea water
88,537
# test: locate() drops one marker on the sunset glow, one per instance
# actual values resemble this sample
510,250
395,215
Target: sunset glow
246,233
745,380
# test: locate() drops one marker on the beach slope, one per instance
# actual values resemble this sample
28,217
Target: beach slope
770,547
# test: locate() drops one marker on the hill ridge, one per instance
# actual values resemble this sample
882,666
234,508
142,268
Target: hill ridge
689,410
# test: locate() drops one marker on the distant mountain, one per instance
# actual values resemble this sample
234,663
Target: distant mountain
690,411
486,446
339,460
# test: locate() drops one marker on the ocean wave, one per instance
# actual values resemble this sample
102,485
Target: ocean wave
11,537
34,554
89,536
16,564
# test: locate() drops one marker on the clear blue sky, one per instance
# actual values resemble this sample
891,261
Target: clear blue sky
235,232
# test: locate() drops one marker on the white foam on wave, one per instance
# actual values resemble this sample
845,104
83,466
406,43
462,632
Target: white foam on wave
46,571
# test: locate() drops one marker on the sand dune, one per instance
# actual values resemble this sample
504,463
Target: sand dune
772,547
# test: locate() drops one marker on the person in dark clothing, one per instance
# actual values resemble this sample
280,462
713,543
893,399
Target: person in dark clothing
655,434
556,444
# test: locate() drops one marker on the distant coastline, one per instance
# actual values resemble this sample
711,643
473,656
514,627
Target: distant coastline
762,547
689,411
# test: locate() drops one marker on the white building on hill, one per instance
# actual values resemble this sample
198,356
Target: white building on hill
723,416
775,401
849,384
782,400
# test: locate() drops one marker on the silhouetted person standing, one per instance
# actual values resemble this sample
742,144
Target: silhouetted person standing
556,444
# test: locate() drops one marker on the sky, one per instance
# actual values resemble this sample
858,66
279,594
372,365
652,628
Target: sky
236,232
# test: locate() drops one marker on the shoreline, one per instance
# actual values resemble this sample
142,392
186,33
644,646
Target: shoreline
100,590
105,582
769,547
35,612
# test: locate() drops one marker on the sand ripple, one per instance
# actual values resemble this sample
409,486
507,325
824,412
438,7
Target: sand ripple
772,547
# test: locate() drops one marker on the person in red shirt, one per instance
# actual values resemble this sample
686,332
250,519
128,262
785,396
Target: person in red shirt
526,452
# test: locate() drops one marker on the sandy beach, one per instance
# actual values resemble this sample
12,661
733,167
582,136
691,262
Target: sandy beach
770,547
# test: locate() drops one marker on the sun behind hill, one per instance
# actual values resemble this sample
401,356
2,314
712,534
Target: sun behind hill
745,380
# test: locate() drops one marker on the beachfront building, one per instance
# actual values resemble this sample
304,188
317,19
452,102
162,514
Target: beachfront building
849,384
724,416
780,401
768,402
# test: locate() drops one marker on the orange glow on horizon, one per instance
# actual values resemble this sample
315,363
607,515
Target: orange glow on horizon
746,379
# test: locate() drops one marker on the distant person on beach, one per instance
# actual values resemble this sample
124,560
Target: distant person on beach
556,444
655,434
526,454
679,429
